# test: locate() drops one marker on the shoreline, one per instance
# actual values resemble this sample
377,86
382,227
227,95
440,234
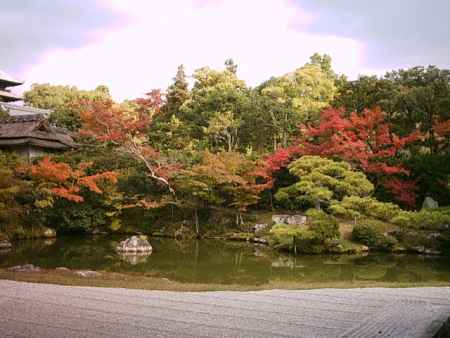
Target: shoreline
148,282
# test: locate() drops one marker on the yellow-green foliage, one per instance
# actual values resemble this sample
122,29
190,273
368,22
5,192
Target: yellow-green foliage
356,207
322,226
322,180
282,235
369,233
311,238
307,91
426,218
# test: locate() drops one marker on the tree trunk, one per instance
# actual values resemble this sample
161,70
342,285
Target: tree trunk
317,204
197,227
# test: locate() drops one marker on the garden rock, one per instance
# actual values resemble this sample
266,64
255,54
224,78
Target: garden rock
25,268
63,269
429,203
5,245
134,244
87,273
260,240
259,227
289,219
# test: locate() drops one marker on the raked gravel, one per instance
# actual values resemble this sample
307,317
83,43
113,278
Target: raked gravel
43,310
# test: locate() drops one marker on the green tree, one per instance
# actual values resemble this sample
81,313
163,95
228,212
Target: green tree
223,129
177,93
297,97
323,181
214,93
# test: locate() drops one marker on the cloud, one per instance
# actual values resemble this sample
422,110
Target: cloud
30,28
394,33
159,35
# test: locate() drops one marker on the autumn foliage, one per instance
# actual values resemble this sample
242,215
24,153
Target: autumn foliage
364,140
63,181
128,130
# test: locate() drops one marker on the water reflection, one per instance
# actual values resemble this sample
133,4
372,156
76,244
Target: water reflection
225,262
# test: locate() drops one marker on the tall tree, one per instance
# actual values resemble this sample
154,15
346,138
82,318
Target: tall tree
177,93
297,97
214,93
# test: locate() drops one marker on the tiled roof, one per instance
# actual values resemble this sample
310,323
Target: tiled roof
35,130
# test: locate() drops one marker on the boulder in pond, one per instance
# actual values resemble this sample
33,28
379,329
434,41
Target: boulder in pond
49,233
134,244
24,268
289,219
429,203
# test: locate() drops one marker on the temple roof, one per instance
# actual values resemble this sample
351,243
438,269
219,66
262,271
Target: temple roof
17,110
7,96
33,130
7,80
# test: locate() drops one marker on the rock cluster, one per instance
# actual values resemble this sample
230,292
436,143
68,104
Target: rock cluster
24,268
289,219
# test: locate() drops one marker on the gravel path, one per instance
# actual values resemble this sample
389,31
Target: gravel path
42,310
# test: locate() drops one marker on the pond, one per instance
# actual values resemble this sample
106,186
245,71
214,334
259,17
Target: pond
212,261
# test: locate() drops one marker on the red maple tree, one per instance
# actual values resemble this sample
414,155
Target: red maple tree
365,140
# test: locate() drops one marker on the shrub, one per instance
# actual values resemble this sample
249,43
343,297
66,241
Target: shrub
355,207
424,219
371,235
322,225
282,235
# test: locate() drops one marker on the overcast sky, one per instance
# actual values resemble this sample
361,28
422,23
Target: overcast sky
135,45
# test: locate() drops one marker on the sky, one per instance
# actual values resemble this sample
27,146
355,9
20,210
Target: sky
133,46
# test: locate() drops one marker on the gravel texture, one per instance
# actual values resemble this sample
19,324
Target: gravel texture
42,310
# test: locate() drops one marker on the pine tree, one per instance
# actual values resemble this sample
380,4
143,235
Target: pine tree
177,93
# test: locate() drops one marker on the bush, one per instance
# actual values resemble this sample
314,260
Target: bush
322,226
371,235
355,207
424,219
282,236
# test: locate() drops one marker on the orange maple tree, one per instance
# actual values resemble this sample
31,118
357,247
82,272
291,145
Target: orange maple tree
63,181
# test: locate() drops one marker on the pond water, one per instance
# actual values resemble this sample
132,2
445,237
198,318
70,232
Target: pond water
210,261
